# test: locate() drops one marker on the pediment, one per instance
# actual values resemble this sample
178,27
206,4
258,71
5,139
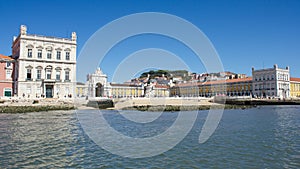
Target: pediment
29,46
39,47
29,67
39,67
49,48
49,67
58,68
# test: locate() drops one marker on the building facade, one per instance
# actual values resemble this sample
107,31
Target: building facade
295,87
81,89
274,82
6,81
126,90
230,87
45,66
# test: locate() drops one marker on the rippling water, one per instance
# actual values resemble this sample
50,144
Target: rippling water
265,137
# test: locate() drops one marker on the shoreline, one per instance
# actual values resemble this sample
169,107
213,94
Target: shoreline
12,106
34,108
139,104
184,104
172,108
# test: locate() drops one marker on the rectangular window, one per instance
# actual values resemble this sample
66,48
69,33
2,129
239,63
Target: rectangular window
8,64
8,74
28,75
49,54
58,53
39,74
39,54
273,86
7,92
67,75
48,73
67,55
29,53
57,75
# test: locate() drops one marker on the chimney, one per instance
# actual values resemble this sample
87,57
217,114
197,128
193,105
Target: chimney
275,66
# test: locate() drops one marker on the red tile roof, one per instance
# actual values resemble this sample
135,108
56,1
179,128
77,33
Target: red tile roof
5,58
295,79
124,85
162,86
229,81
247,79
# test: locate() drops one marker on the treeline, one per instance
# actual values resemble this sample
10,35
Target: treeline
167,73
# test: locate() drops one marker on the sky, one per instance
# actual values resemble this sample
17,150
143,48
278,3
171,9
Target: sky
245,34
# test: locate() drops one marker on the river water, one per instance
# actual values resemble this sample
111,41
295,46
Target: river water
263,137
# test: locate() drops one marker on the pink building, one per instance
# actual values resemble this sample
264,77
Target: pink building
6,81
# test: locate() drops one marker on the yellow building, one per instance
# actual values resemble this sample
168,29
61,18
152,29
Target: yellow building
161,91
230,87
81,89
295,87
126,90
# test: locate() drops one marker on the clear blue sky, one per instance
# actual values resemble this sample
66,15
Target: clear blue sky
245,33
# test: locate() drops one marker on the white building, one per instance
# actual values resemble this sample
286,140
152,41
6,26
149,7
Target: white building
45,67
274,82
